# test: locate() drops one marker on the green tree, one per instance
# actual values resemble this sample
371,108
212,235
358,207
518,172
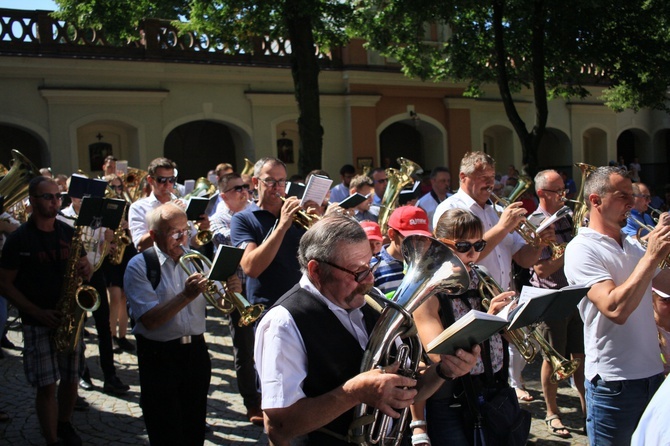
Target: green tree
557,49
308,24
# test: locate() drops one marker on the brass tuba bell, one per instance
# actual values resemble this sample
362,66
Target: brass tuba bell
397,180
248,168
14,185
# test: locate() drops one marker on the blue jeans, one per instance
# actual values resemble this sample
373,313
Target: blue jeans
615,407
445,423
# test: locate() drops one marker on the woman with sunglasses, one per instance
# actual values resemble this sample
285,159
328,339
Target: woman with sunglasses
462,231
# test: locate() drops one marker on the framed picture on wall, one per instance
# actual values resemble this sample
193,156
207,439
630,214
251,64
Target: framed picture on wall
364,162
97,152
285,150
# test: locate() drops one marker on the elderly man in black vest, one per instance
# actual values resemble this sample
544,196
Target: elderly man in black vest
310,345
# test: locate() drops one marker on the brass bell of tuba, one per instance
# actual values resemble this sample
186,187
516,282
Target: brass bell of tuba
431,268
397,180
14,184
191,262
248,168
580,208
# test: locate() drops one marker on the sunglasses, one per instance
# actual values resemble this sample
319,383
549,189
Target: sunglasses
240,188
49,197
163,180
464,247
360,275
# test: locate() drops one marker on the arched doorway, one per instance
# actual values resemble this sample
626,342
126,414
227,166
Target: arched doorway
633,143
25,142
400,139
198,146
555,151
99,138
594,145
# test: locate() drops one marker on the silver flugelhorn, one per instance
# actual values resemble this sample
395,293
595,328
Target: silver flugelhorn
431,268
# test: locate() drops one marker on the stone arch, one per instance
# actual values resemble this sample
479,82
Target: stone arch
417,137
555,150
25,137
632,143
594,146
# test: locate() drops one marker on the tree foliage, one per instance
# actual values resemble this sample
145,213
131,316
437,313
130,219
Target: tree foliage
557,49
308,24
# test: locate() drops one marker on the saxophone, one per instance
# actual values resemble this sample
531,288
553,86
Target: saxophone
121,240
75,299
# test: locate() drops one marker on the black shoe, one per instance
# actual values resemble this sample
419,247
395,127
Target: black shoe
125,345
86,384
67,433
114,386
81,405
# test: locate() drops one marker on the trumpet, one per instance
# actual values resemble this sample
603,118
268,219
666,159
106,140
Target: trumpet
192,261
665,263
653,211
521,337
527,230
302,218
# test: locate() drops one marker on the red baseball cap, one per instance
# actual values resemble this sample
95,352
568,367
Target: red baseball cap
372,230
409,220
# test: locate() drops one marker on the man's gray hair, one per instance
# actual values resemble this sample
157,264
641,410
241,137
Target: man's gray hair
541,180
162,213
473,161
598,182
325,240
265,160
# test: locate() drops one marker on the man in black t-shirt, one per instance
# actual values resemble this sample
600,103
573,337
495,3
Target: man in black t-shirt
32,272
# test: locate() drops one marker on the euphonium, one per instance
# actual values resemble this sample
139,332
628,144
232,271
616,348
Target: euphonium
248,167
14,184
431,268
230,301
665,263
76,299
134,181
561,368
397,180
580,209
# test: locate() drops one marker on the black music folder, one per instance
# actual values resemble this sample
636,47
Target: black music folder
352,201
294,189
473,328
196,207
99,212
542,304
225,263
81,187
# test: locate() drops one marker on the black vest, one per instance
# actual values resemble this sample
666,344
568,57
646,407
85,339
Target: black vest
333,354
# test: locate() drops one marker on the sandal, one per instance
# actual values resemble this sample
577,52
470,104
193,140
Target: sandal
559,431
422,438
523,395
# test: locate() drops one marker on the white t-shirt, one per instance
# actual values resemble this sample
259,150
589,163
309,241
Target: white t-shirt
653,428
615,352
499,261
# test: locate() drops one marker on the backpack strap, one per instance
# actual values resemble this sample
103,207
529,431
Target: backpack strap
153,266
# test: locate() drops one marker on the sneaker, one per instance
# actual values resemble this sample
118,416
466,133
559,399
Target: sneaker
125,345
67,433
114,385
81,404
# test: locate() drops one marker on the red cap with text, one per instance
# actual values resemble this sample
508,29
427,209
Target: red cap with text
372,230
409,220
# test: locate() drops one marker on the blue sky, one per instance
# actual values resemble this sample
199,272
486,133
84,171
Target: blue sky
48,5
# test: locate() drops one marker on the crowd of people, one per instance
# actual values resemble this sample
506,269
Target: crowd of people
322,286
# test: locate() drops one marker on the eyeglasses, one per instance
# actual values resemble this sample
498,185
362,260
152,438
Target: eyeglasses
179,234
269,182
560,192
464,246
163,180
646,197
360,275
239,188
49,197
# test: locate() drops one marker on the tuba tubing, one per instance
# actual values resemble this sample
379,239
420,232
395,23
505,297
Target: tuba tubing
431,268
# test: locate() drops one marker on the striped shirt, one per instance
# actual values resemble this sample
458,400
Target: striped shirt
389,274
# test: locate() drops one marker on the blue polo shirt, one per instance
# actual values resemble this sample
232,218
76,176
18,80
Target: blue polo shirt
253,225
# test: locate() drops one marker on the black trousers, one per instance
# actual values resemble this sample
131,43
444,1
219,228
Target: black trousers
245,369
101,317
174,382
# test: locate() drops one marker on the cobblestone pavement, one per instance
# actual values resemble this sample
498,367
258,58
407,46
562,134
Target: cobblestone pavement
113,420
